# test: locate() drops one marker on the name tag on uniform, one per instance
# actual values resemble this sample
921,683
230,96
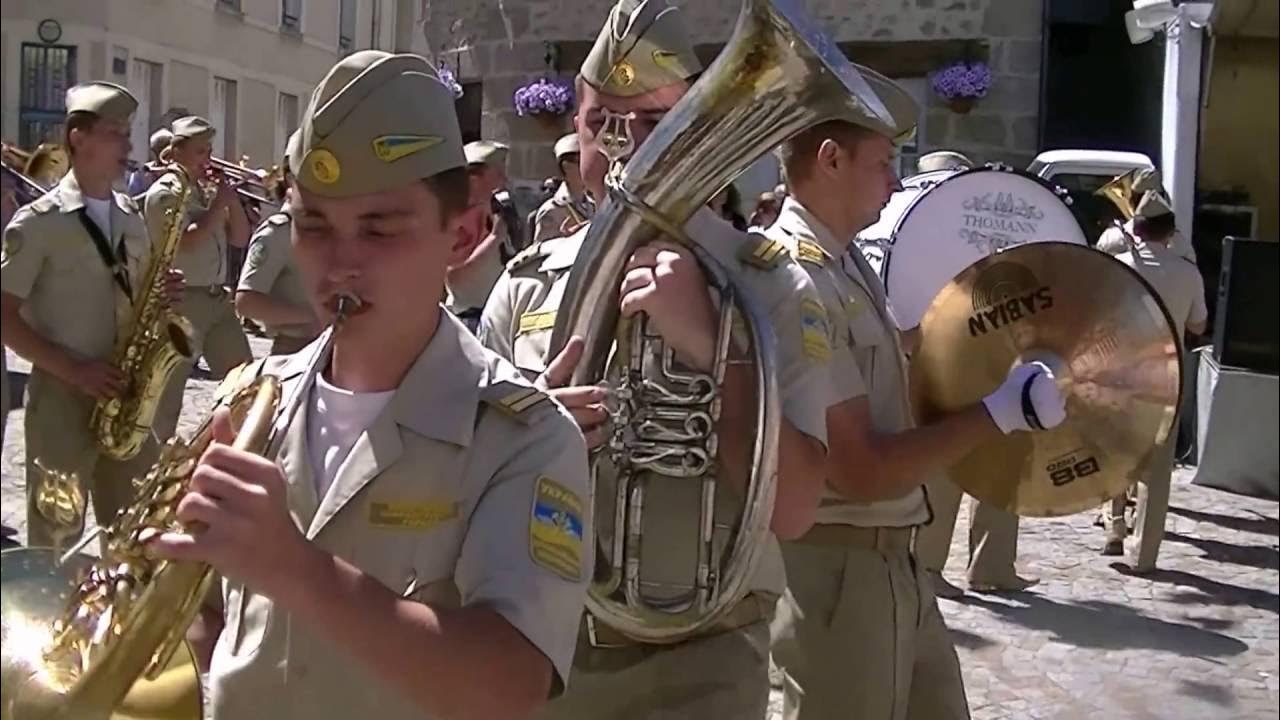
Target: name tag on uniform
409,515
529,322
555,529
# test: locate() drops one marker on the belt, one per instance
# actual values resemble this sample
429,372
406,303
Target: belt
882,539
754,608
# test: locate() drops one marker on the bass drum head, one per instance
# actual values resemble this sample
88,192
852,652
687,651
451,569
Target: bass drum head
875,240
947,226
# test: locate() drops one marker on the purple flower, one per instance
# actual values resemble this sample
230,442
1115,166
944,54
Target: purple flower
962,80
551,96
450,81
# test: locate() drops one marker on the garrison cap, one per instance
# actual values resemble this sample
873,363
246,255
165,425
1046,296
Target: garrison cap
104,99
376,122
904,112
567,145
643,46
1153,205
485,152
191,126
1146,179
943,160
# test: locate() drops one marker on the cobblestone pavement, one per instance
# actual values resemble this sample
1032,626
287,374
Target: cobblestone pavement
1196,640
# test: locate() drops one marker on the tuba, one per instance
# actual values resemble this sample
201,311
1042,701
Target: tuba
158,341
777,76
115,644
1119,190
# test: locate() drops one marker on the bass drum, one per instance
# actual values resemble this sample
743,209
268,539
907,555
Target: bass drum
944,221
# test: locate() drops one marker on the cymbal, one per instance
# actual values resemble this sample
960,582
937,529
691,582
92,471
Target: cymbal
34,591
1111,344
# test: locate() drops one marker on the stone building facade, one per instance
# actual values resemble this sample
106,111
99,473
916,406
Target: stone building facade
495,46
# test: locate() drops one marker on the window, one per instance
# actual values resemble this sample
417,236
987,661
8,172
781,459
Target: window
145,83
47,72
286,121
291,15
223,117
346,26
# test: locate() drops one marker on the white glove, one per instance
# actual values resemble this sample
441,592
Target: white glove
1029,399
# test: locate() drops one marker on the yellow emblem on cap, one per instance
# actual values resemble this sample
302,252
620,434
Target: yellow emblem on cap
667,60
323,166
390,148
623,74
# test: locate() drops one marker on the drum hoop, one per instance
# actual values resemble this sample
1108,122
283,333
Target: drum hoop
1057,190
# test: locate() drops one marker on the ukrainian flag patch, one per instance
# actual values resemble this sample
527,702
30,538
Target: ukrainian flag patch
555,529
813,330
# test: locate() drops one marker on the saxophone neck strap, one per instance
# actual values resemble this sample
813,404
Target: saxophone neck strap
116,261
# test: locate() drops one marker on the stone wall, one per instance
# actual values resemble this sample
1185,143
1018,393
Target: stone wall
507,44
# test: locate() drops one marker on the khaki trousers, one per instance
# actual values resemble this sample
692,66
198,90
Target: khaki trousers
993,536
218,336
864,638
1154,478
715,676
57,433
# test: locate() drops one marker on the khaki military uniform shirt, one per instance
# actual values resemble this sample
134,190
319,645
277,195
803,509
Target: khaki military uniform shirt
51,263
521,313
1113,241
560,215
203,264
1176,280
469,490
866,353
269,269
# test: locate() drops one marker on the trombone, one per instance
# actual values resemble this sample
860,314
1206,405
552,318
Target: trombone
246,179
25,189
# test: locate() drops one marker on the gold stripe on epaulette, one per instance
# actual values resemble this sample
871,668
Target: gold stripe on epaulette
763,253
811,252
524,257
522,399
530,322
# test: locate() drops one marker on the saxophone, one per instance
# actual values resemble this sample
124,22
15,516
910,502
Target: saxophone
777,76
87,638
158,341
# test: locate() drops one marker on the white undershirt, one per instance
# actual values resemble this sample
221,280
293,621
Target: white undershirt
335,420
100,212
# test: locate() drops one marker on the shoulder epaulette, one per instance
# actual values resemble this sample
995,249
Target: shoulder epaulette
762,252
810,252
279,218
536,251
237,379
515,400
43,204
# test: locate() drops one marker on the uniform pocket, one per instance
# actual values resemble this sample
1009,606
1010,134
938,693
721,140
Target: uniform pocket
249,617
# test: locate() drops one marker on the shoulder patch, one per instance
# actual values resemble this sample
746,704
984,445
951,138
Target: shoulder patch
811,252
515,400
526,256
257,254
556,528
762,252
814,330
237,379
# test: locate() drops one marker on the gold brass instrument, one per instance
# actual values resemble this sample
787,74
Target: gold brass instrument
1119,190
1111,344
777,76
25,189
42,167
245,179
158,341
114,642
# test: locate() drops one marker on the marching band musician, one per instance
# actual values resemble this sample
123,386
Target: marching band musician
1181,289
271,289
143,175
1117,239
210,225
417,546
943,160
869,641
642,63
72,267
569,207
484,234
